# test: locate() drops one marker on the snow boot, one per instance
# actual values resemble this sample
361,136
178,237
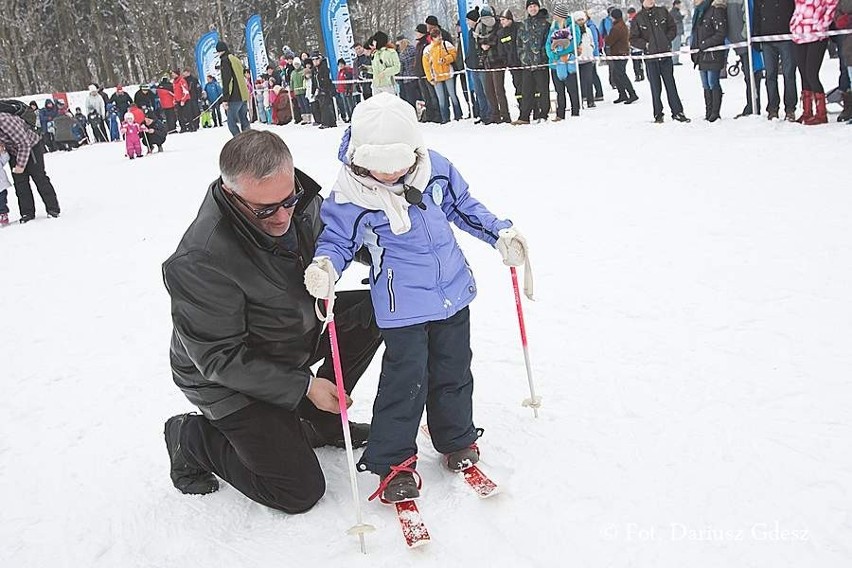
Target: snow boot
807,107
680,117
401,487
462,459
52,214
403,483
26,219
319,434
821,116
708,103
4,219
846,114
187,479
715,104
632,99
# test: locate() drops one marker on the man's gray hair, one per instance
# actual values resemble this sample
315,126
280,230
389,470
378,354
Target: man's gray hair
258,154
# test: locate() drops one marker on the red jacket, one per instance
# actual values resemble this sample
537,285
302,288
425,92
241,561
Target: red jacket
181,90
345,74
167,98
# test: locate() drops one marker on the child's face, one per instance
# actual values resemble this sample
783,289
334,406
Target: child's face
388,178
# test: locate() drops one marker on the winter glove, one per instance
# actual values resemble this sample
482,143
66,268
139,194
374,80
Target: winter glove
512,246
320,277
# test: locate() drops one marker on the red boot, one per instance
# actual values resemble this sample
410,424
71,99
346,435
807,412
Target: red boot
807,106
821,116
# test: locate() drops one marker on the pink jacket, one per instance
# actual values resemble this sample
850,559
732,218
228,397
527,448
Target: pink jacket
810,18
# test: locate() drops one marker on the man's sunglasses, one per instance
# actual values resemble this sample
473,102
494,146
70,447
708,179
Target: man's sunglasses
269,210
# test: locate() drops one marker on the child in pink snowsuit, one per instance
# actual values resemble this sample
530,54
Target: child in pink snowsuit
132,140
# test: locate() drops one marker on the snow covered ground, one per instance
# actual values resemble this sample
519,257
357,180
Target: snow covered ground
690,341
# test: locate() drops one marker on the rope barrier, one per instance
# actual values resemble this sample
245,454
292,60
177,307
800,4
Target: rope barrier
758,39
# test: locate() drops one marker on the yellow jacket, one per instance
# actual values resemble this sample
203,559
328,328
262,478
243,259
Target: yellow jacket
438,60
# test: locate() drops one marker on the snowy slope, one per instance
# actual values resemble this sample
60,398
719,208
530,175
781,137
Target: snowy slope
690,340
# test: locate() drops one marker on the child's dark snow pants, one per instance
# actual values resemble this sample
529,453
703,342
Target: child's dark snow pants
424,365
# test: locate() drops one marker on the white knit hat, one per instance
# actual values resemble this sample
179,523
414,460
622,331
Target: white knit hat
385,135
579,15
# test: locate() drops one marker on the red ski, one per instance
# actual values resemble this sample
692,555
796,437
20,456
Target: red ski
479,482
482,485
413,528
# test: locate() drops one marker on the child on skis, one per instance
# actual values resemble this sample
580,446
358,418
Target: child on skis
397,198
132,139
5,184
206,112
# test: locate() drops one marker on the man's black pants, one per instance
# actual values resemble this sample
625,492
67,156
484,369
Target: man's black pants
34,169
536,94
661,72
261,449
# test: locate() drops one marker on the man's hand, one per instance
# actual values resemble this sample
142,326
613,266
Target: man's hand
18,170
323,393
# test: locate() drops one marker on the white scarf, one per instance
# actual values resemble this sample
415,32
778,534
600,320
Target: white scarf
370,193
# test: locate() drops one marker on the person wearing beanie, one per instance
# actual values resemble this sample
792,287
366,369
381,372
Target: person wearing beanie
532,36
560,47
618,43
131,130
491,59
474,62
587,47
398,198
431,107
385,65
652,31
638,68
507,50
235,93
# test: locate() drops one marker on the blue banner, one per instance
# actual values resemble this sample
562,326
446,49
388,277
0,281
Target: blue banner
337,33
205,56
256,47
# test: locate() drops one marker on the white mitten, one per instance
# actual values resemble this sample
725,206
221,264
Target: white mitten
512,246
320,277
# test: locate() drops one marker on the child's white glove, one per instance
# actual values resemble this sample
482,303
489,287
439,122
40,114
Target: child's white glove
512,246
320,277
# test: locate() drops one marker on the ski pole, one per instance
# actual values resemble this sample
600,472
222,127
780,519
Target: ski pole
360,528
533,401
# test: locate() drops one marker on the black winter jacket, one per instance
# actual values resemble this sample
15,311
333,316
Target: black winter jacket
145,99
507,42
244,325
710,31
652,30
772,17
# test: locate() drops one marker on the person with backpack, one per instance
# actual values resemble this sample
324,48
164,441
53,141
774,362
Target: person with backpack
26,158
235,93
